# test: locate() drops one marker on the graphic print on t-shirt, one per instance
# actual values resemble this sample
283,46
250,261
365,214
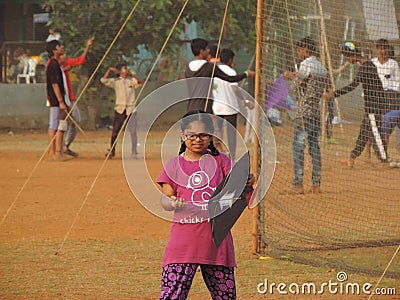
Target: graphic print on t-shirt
199,182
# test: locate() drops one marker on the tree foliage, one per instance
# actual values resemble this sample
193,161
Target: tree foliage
149,26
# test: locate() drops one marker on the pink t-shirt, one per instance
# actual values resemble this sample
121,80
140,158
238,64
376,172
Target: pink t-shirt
191,239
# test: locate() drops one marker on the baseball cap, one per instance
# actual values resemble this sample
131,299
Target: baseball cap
349,48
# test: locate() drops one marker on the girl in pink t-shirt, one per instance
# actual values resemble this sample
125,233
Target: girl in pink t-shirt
188,181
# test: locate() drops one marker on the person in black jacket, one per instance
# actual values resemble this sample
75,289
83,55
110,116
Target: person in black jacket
200,91
374,98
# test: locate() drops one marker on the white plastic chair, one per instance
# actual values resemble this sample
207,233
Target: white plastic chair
29,71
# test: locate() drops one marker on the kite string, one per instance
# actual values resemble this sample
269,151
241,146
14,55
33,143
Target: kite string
163,47
118,135
105,55
331,75
25,183
67,116
294,62
150,73
217,53
384,272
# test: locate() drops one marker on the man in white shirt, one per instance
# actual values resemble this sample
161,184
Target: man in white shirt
53,35
388,68
226,96
389,74
125,103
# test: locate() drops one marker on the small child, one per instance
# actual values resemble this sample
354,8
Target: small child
188,182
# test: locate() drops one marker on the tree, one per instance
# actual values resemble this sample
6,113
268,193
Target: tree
149,25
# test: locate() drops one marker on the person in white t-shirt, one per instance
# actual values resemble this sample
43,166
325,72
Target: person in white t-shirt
388,68
226,98
125,104
53,35
389,74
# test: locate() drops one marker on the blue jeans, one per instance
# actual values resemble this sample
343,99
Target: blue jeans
310,132
390,120
398,137
72,129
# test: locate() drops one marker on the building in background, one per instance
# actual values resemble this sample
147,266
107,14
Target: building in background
22,29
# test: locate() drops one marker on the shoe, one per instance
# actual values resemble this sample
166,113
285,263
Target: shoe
383,165
70,152
332,141
296,190
112,154
394,164
349,162
316,190
134,156
57,157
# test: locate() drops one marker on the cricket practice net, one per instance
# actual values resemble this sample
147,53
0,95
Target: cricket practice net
354,223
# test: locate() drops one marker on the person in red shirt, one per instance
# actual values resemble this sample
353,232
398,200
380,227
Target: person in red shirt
75,113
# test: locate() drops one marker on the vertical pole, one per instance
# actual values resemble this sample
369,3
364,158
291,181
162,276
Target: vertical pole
323,60
328,57
256,162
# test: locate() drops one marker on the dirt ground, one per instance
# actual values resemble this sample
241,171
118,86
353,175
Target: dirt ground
108,245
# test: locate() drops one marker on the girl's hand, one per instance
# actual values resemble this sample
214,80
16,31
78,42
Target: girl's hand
177,202
251,179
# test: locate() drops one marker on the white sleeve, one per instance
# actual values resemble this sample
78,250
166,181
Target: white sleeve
396,75
304,71
109,82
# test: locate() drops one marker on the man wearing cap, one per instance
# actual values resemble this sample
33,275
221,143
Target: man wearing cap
367,76
311,80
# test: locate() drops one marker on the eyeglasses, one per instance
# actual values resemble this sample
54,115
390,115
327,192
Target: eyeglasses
349,45
193,136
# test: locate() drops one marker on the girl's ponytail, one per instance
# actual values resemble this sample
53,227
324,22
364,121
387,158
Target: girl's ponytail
182,148
214,151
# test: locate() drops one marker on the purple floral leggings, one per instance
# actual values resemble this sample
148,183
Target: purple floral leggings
177,279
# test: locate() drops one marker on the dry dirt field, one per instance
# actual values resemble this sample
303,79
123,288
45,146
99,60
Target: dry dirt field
114,246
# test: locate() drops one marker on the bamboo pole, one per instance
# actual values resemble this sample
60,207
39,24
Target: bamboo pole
323,60
256,157
328,56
